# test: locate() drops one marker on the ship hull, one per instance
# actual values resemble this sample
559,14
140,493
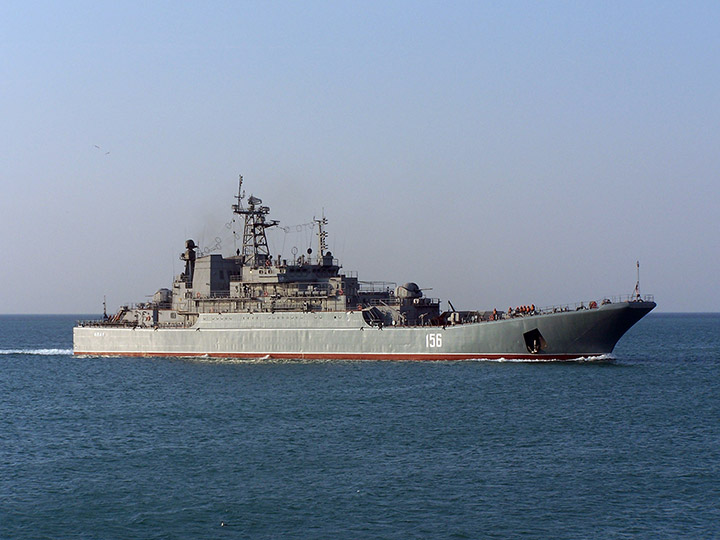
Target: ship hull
333,335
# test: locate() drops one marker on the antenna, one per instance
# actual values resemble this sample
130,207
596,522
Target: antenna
322,235
240,196
636,294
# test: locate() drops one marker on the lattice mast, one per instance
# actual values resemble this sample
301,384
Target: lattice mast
322,235
255,251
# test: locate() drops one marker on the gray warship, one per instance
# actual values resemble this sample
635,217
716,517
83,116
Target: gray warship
255,305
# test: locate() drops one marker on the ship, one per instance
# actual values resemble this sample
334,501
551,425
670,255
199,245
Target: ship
257,305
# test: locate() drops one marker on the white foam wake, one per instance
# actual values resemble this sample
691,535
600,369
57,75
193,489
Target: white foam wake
41,352
599,359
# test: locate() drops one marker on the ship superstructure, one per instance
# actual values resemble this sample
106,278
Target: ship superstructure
253,304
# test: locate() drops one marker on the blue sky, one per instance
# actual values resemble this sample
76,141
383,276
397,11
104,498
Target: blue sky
498,153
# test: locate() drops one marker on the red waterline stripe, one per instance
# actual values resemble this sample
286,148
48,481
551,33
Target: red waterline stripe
347,356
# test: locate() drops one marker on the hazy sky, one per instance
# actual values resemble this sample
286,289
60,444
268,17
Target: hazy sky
501,153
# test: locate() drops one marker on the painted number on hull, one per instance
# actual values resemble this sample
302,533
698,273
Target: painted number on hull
433,340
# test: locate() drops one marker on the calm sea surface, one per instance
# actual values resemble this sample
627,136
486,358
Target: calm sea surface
170,448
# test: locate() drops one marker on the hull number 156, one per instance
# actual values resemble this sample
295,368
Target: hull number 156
433,340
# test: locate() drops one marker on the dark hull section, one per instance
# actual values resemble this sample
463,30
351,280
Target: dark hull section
586,332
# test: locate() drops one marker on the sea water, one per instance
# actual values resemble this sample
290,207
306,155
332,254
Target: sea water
147,448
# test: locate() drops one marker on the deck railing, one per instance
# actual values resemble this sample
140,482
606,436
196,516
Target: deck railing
592,304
